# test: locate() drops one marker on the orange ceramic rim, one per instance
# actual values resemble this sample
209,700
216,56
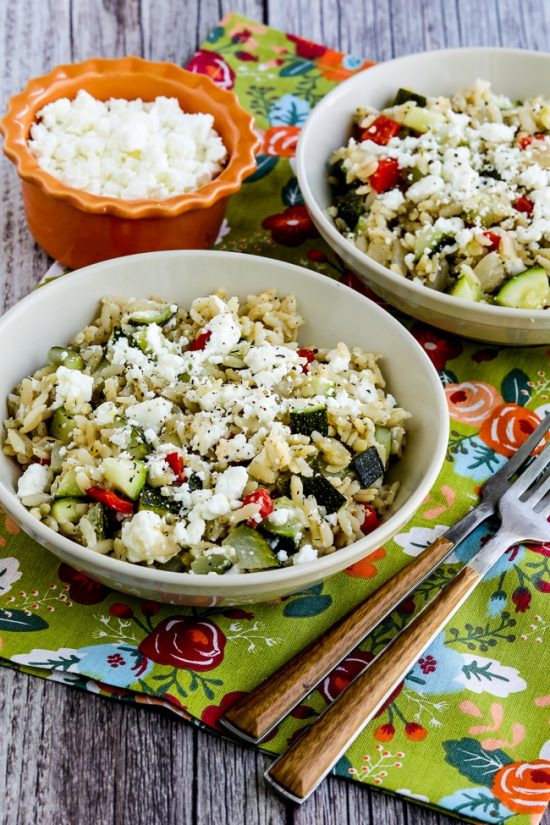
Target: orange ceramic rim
21,113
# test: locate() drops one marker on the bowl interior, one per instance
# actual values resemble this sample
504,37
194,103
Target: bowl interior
53,314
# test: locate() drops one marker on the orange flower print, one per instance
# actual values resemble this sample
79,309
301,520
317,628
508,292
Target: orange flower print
365,568
508,426
332,65
280,141
472,402
524,787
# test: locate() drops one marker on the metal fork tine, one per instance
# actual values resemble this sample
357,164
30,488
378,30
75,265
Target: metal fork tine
541,490
534,470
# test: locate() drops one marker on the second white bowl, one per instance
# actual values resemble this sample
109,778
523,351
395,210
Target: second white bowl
512,72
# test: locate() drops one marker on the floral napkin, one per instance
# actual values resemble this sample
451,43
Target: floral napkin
467,729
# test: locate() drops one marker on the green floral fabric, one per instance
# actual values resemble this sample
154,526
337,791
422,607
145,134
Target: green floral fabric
467,729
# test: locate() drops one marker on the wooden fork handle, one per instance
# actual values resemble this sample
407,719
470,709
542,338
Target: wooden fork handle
257,713
297,772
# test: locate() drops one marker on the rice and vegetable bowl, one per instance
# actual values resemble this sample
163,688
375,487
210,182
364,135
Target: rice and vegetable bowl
452,193
205,439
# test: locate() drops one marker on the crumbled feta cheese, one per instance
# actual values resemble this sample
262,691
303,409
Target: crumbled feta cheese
280,516
425,187
121,437
105,413
73,389
146,540
127,149
190,534
392,199
36,479
231,483
150,414
270,364
216,505
305,553
339,358
235,449
282,555
343,404
496,132
225,333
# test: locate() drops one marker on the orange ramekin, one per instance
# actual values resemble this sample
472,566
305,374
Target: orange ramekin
78,228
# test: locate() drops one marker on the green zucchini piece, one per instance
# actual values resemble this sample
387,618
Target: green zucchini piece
96,517
528,290
253,551
174,565
317,385
62,425
67,486
382,436
337,177
421,120
325,494
466,289
308,421
213,563
194,482
63,356
124,475
68,510
411,174
368,466
350,208
404,95
151,499
137,446
430,241
293,526
154,314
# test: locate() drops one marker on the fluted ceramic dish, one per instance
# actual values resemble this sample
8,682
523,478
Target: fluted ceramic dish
333,313
78,228
515,73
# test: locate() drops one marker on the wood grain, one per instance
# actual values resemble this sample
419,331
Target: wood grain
73,758
309,759
258,712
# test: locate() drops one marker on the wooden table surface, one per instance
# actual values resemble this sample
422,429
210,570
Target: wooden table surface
69,757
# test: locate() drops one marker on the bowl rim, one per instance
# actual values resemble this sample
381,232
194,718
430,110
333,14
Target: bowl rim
418,293
228,585
15,122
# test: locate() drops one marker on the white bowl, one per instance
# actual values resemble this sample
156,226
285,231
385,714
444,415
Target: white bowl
513,72
53,314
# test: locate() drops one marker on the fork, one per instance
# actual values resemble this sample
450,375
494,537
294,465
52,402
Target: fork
524,511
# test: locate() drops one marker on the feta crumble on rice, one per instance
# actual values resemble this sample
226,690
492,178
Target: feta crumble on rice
216,448
127,149
452,193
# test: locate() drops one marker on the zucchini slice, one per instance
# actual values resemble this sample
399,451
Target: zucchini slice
350,208
528,290
153,314
466,289
67,486
368,466
124,475
253,551
62,425
294,524
63,356
421,120
325,494
213,563
404,95
151,499
308,421
68,510
382,436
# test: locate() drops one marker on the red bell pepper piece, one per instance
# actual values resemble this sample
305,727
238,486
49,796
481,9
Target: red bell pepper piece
176,464
200,341
381,130
370,521
526,141
523,204
261,497
495,240
386,175
111,500
308,354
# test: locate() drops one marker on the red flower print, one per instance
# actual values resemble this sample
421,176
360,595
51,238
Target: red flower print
350,279
306,48
116,660
213,713
524,787
237,613
291,227
407,606
438,346
121,611
484,355
214,66
317,255
472,401
508,426
385,733
522,599
182,641
341,676
281,141
82,589
542,549
415,731
542,586
427,664
241,36
246,56
150,608
365,569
